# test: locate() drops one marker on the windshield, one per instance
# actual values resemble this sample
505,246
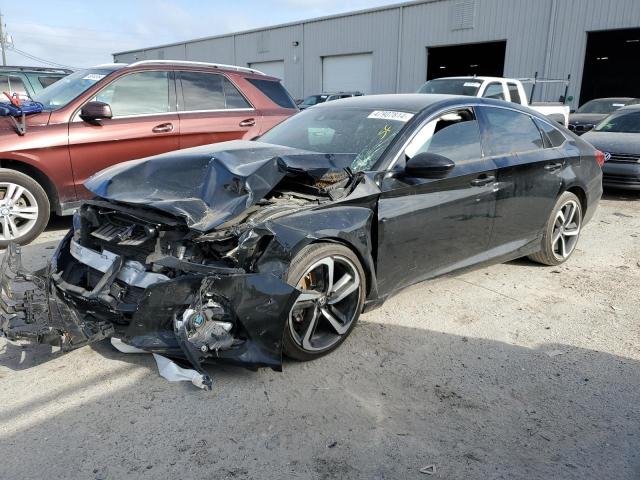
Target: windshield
602,106
365,133
452,86
66,89
621,122
314,99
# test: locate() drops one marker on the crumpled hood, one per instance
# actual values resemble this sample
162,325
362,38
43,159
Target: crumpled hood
614,142
212,184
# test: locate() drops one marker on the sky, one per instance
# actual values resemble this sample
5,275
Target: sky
85,33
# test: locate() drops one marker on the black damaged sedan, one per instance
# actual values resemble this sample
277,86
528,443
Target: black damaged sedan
243,251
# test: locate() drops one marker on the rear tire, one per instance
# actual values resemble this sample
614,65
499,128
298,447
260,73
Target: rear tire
333,284
24,208
561,232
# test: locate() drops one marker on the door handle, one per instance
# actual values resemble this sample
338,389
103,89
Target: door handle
552,167
163,128
249,122
483,180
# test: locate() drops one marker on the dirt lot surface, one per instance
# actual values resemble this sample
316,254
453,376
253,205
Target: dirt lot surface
515,371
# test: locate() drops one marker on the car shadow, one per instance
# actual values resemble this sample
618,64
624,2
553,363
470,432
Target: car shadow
619,195
390,401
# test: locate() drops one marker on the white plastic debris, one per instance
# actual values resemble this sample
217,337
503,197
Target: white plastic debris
124,348
172,372
167,369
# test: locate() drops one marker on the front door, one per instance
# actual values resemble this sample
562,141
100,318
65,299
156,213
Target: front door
144,123
213,110
432,226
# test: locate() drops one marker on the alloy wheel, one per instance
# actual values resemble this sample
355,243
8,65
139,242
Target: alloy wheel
328,304
18,211
566,230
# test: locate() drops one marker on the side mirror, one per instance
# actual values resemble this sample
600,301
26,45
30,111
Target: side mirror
573,110
428,165
93,112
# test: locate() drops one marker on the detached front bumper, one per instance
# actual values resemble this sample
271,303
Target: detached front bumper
238,317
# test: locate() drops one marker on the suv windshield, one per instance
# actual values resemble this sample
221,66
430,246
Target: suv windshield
602,106
365,133
452,86
621,122
66,89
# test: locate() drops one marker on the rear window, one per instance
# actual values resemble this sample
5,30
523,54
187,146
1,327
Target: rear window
275,91
12,84
514,93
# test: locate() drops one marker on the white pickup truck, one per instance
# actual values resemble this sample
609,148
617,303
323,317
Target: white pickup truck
509,89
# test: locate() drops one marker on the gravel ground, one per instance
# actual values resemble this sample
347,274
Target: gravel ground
515,371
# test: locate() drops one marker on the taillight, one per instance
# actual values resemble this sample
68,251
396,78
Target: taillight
600,157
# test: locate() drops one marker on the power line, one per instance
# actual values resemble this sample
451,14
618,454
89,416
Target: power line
38,59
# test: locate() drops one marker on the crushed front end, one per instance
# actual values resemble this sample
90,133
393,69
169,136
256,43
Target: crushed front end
147,279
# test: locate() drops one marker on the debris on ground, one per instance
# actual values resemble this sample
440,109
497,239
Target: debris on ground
428,470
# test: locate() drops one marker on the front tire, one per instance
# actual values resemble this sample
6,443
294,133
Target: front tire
561,232
24,208
333,291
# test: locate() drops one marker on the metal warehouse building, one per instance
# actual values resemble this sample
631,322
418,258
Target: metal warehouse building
396,48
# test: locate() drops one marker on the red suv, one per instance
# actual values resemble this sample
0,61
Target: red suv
104,115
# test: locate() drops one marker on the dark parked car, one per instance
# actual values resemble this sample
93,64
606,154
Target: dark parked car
594,111
618,136
104,115
312,100
28,81
244,250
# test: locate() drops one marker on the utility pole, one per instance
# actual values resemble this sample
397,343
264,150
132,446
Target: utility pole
2,40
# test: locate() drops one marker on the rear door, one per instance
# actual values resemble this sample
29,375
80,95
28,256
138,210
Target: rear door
432,226
144,123
212,109
529,175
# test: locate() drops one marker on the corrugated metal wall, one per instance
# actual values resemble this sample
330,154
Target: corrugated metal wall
545,36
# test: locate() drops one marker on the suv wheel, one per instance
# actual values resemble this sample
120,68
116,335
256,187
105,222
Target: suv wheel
24,208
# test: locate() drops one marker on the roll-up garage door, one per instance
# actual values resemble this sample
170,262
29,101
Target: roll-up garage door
273,69
346,73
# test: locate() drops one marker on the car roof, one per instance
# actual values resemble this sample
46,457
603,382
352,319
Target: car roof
629,107
407,102
475,77
19,68
613,99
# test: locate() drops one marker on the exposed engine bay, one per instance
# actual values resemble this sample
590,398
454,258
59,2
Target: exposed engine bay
151,277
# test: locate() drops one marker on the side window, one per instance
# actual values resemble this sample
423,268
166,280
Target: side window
233,97
554,137
508,131
209,91
514,93
142,93
12,84
494,90
202,91
454,135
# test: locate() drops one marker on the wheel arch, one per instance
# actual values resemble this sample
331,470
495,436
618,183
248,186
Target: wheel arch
38,175
370,279
579,192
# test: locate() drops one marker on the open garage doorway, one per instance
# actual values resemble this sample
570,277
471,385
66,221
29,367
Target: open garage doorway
486,59
611,65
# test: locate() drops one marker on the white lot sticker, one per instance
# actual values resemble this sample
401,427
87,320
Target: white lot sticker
390,115
93,76
472,84
618,104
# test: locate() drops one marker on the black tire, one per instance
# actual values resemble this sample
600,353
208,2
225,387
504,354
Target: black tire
548,254
41,200
304,260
